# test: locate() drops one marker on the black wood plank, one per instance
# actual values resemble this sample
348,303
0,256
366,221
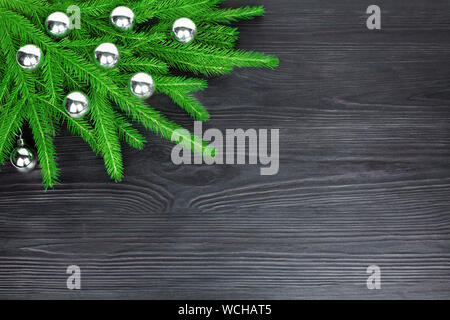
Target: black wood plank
364,177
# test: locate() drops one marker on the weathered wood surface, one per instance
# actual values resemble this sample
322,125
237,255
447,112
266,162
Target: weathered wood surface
364,178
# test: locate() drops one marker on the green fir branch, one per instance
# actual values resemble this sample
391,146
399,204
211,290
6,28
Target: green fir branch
210,60
42,131
233,15
68,65
128,133
173,9
218,35
179,90
103,117
142,64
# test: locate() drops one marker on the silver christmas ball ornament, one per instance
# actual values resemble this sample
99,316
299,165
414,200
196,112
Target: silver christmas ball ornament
58,24
122,18
107,55
23,158
29,57
76,104
142,85
184,30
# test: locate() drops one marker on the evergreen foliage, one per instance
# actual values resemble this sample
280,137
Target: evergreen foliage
35,98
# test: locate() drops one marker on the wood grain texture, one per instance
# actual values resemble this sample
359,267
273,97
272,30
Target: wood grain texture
364,177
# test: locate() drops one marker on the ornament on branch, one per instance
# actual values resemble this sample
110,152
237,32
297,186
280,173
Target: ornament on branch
142,85
58,24
152,58
107,55
76,104
29,56
22,157
122,18
184,30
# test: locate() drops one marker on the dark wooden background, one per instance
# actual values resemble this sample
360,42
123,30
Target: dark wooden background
364,178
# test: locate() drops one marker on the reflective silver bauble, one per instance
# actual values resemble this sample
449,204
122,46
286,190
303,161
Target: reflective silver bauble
107,55
29,56
76,104
184,30
122,18
58,24
23,158
142,85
